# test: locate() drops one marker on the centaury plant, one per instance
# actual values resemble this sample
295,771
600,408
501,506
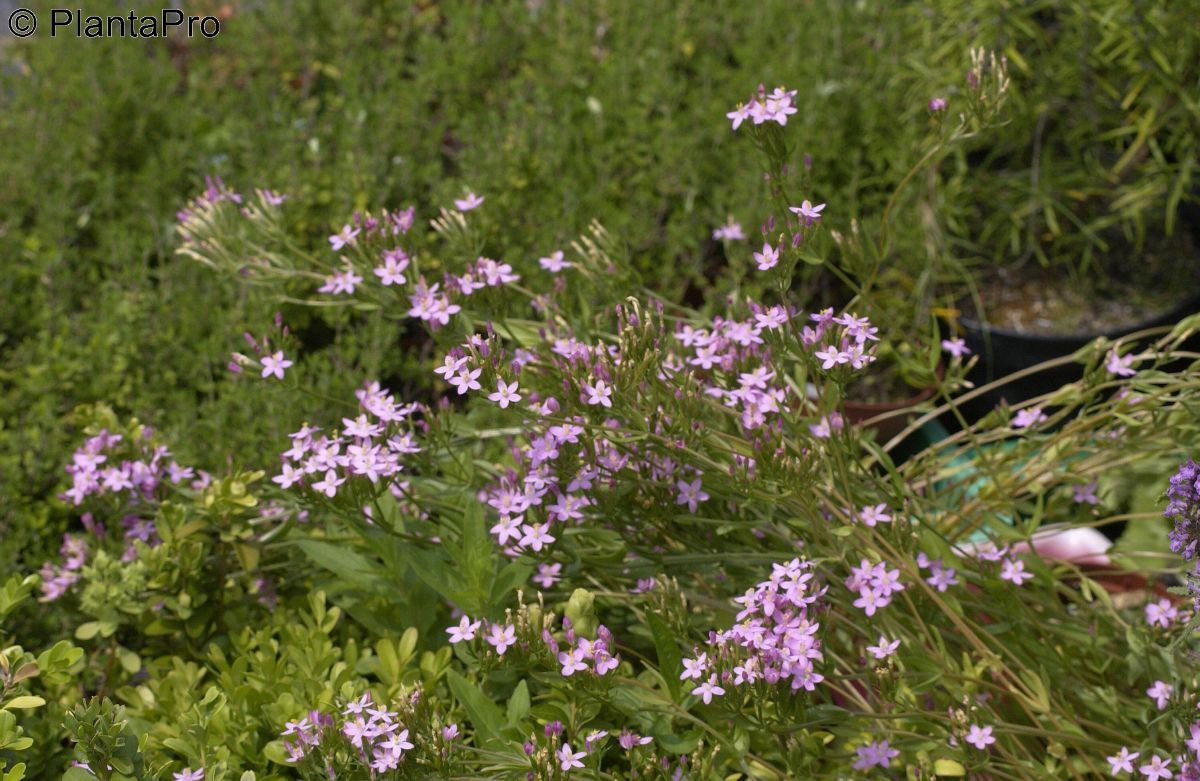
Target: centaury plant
631,540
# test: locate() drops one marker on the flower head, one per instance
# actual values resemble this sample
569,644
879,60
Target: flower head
1123,762
505,394
468,202
1156,768
874,754
568,759
1118,365
1029,417
767,259
808,212
274,364
1160,692
709,689
554,262
884,649
980,737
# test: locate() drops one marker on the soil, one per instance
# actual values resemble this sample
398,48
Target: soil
882,383
1119,293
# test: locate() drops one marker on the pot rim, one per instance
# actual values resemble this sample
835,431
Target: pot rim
1180,310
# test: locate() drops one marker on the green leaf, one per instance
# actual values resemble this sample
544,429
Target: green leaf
581,609
130,661
441,576
475,549
948,767
16,772
24,702
87,631
347,564
512,576
484,713
669,658
275,752
518,704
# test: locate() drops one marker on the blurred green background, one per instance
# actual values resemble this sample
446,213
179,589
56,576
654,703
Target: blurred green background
557,112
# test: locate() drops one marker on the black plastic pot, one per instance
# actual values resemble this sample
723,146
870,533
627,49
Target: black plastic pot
1003,352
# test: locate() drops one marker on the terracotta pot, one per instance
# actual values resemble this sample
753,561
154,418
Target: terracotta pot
858,412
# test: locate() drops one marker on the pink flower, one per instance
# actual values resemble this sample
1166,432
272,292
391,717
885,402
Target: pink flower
572,662
554,262
1029,417
605,662
1161,613
329,485
187,774
730,231
464,631
471,201
874,754
548,575
1123,762
568,759
832,356
873,515
739,115
1086,494
466,379
1156,769
956,347
1119,366
1160,692
869,600
980,737
536,536
358,730
629,739
694,668
392,271
768,258
501,637
884,649
505,394
289,477
600,393
341,282
709,689
1014,570
690,494
346,236
808,212
274,364
937,104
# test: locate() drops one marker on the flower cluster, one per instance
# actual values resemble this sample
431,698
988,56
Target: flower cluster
774,107
130,473
374,733
216,191
370,445
92,474
574,654
774,638
58,578
875,584
577,651
851,342
1183,507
